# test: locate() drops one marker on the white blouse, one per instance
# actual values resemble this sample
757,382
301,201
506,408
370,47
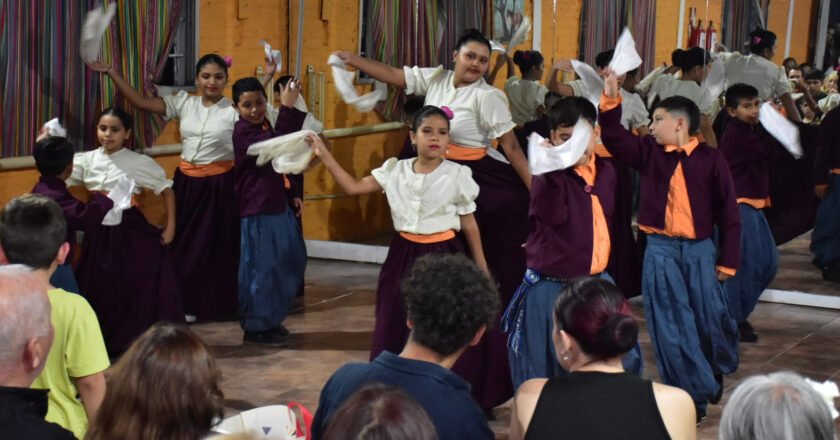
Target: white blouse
205,131
480,110
634,114
100,171
427,203
525,97
757,71
666,86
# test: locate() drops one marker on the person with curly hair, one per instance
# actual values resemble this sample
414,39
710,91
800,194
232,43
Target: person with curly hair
450,304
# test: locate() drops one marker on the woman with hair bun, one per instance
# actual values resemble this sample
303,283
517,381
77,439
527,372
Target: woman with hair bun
593,328
525,93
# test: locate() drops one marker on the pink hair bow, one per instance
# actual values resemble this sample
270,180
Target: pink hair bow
448,111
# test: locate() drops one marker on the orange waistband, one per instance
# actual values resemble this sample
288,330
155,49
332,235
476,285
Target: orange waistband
835,171
756,203
457,152
429,238
205,170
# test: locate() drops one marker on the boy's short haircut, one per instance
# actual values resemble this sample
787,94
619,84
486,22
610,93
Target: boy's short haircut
739,92
52,155
567,111
680,105
32,230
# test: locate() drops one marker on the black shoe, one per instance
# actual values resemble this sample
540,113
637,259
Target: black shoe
281,330
831,272
746,332
817,262
701,414
489,414
716,398
268,338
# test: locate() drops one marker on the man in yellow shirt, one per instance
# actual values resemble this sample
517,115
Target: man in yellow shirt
33,232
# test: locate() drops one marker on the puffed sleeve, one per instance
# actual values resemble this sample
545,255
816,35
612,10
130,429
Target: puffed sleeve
781,84
494,114
80,164
540,98
637,114
175,104
384,173
418,79
579,87
706,103
148,174
467,191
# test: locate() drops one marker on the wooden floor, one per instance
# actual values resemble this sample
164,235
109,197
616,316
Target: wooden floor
335,326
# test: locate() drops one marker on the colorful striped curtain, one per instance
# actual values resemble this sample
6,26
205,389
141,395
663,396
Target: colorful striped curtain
41,72
641,19
137,46
418,33
602,21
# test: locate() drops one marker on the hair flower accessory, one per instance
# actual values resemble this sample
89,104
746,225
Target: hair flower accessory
448,111
756,39
228,60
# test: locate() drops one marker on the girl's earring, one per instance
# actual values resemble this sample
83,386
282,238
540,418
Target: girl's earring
414,147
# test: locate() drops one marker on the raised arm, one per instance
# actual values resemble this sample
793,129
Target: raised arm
628,148
377,70
268,75
790,107
502,60
347,182
556,85
154,105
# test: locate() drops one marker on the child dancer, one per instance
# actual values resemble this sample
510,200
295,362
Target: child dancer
125,271
525,94
748,148
54,160
273,256
685,190
570,216
825,239
430,198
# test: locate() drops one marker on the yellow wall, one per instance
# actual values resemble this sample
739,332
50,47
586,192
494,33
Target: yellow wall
804,13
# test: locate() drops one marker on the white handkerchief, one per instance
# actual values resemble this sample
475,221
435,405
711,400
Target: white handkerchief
54,128
828,391
520,35
273,55
96,23
786,132
344,83
121,195
716,78
545,158
310,123
495,46
594,83
625,57
289,154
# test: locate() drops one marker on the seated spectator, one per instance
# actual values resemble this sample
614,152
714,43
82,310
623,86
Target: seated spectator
166,386
33,232
380,412
25,339
814,81
593,328
777,406
450,303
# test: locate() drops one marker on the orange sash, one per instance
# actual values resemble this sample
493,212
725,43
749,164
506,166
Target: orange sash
756,203
457,152
835,171
206,170
429,238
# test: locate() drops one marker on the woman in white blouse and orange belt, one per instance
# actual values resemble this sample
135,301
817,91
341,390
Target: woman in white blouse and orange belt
206,248
481,115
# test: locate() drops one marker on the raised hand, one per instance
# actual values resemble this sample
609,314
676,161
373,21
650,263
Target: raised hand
99,66
290,93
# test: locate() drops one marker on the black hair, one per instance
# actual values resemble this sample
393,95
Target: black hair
550,99
472,35
412,105
792,59
739,92
380,412
281,82
425,112
595,313
211,58
761,39
248,84
448,299
32,230
690,58
567,111
52,155
684,106
528,60
815,75
603,59
122,115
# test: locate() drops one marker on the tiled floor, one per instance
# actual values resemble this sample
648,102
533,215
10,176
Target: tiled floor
334,327
796,272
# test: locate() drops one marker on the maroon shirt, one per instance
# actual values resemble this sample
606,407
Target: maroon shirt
828,150
747,148
711,191
78,215
560,220
260,189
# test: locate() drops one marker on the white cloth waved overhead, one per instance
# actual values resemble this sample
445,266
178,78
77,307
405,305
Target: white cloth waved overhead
288,154
96,23
54,128
272,55
593,82
625,58
121,195
786,132
545,158
344,83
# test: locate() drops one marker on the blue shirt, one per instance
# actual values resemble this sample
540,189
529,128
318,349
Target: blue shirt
445,396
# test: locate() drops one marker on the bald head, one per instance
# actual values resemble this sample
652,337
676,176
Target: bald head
25,329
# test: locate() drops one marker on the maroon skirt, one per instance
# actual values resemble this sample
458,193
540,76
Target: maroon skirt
127,276
206,247
390,332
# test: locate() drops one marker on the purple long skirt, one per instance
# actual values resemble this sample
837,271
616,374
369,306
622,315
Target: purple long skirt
206,247
127,276
502,216
625,265
390,332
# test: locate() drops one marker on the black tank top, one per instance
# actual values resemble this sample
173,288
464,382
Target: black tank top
595,405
